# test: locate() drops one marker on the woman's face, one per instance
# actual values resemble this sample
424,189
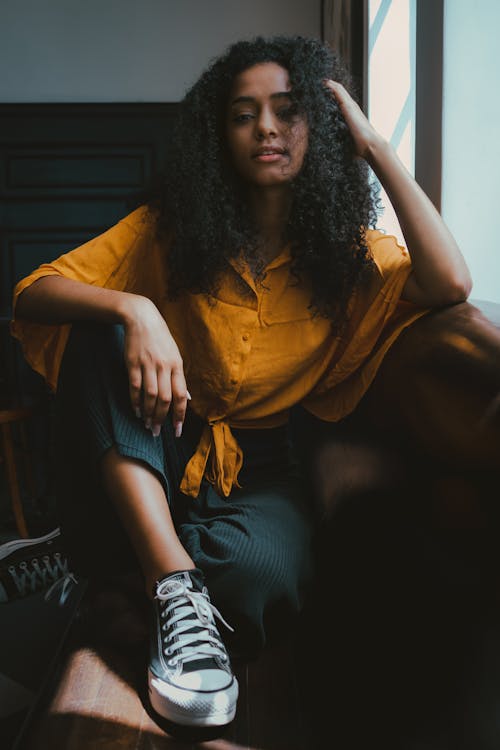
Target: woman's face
266,135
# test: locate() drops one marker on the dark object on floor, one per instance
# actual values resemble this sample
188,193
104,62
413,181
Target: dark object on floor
28,566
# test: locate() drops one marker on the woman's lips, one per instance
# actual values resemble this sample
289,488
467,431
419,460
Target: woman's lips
269,157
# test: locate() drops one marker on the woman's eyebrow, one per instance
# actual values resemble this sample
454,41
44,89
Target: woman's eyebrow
277,95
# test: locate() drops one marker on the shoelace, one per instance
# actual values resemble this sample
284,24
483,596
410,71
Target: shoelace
178,616
64,586
50,571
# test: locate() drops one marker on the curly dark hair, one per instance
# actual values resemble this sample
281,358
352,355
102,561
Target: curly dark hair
200,204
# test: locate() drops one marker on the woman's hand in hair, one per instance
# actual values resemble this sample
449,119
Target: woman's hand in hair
155,368
439,273
364,136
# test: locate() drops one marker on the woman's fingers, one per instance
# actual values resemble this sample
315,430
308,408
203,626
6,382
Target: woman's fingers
163,401
180,398
135,389
161,391
342,96
149,394
364,136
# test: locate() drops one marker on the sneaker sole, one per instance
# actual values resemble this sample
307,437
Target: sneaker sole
9,547
217,710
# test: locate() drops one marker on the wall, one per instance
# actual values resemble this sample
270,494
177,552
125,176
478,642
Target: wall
129,50
471,145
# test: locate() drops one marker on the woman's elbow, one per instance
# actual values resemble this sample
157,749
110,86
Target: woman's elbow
464,286
458,290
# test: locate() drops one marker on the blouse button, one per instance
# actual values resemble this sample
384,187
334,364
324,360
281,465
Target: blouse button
245,337
234,381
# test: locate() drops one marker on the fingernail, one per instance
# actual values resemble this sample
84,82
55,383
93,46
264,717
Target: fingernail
178,429
156,430
137,412
147,423
189,396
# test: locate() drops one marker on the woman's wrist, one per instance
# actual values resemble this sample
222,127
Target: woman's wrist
134,309
378,152
130,307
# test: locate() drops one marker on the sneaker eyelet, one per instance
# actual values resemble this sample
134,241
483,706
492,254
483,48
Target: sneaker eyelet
172,662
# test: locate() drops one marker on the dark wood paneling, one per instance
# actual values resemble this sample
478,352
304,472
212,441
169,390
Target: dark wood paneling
79,169
67,173
22,250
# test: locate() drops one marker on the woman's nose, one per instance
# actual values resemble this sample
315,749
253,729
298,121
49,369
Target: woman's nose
266,124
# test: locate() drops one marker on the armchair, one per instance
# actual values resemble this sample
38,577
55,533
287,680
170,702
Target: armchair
432,412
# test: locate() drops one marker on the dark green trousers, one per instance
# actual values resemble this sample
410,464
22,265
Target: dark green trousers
254,547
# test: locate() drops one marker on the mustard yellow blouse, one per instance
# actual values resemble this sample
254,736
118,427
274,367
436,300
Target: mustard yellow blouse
251,352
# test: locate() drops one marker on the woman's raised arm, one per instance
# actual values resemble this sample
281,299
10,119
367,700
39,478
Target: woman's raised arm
439,274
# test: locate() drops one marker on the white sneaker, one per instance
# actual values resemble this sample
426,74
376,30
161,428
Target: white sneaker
190,676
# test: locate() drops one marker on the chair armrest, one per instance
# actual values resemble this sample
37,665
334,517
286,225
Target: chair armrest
439,386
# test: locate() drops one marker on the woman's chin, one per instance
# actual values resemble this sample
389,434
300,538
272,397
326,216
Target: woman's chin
271,181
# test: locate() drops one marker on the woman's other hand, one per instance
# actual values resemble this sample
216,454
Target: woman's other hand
155,368
439,273
364,136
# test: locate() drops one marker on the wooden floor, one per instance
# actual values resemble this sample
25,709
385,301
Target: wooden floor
99,701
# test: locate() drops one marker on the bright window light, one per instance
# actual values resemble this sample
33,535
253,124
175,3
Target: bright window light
391,85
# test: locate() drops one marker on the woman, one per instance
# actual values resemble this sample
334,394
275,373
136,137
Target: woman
253,279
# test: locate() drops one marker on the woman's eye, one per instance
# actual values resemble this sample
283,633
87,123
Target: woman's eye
244,117
287,113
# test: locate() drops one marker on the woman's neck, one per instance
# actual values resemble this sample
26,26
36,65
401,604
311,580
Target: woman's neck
271,207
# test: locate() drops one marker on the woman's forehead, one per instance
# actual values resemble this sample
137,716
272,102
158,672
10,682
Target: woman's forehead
260,79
